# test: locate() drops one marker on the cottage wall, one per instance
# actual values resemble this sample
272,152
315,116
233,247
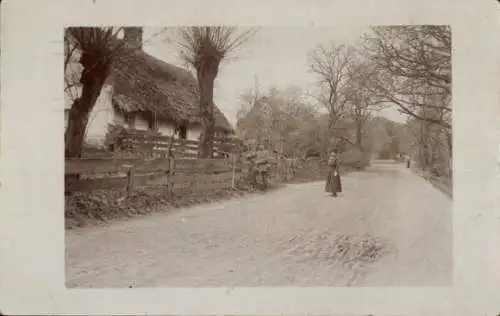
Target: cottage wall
166,129
140,124
101,116
194,132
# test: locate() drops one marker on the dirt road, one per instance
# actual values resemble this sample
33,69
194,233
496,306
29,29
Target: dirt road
389,227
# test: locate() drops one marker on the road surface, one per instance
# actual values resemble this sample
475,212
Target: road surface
388,228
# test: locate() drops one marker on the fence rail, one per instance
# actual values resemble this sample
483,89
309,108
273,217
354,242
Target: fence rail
178,175
141,159
115,165
159,145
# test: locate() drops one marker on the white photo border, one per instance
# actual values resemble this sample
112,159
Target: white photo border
32,160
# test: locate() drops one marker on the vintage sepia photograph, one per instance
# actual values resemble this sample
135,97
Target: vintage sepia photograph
228,158
200,156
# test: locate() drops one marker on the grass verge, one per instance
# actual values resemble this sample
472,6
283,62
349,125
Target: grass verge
443,184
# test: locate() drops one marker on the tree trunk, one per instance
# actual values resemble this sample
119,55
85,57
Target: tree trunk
449,141
94,75
422,146
330,134
206,78
75,131
359,135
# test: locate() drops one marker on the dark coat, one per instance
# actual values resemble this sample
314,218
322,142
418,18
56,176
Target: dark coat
333,183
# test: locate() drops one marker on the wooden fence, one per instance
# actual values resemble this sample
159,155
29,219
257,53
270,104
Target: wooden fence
161,146
176,176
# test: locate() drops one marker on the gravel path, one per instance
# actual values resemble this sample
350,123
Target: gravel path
389,227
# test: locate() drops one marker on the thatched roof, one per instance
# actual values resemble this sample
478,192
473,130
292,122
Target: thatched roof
143,83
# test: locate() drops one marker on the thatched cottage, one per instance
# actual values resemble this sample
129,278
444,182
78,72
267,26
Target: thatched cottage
144,93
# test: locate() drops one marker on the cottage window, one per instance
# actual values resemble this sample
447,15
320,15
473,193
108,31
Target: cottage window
182,132
221,135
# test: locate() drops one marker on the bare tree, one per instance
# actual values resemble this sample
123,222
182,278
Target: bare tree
413,60
332,65
421,131
431,145
361,98
249,99
204,48
97,47
282,116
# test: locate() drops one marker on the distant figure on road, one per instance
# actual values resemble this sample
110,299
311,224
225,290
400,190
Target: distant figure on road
333,183
408,161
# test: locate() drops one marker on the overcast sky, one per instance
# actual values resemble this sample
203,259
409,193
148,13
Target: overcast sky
277,56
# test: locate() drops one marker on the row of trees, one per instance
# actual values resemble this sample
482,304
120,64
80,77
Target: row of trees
203,48
344,89
288,121
414,65
406,66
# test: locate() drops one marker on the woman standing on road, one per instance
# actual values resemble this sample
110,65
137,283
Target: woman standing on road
333,183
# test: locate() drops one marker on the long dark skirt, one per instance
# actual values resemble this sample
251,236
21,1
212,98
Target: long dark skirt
333,183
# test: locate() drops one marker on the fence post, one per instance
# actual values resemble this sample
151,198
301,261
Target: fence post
171,173
152,150
130,181
233,180
281,167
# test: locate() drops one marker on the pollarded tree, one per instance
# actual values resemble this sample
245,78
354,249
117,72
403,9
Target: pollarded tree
204,48
97,47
